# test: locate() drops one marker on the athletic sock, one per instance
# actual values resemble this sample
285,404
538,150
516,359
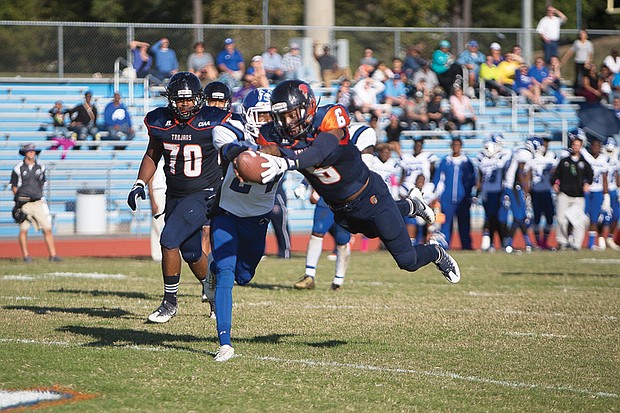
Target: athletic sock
171,287
315,247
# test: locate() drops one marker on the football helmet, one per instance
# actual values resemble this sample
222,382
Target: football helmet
493,144
579,134
256,104
218,91
293,106
611,147
184,86
535,146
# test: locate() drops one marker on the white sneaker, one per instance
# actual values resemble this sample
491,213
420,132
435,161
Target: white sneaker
612,245
448,266
225,353
486,243
422,209
601,243
164,313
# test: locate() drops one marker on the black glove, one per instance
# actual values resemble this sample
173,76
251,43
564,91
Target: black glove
136,191
18,215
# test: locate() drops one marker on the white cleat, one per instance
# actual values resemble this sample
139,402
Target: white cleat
611,244
422,209
164,313
225,353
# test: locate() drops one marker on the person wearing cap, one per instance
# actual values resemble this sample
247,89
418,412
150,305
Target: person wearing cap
84,121
293,66
538,184
201,64
230,61
471,58
395,93
256,73
272,62
443,63
166,62
571,180
27,182
549,30
329,66
495,51
454,180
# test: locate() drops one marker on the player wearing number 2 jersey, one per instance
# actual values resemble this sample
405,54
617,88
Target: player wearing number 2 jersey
317,144
181,133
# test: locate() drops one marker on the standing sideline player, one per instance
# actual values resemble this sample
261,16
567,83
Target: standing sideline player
611,147
364,138
597,198
181,133
360,200
240,218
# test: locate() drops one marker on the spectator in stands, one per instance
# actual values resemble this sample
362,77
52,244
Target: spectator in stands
293,66
166,63
362,72
590,88
58,113
345,97
605,80
615,87
27,181
248,84
382,73
416,113
507,71
141,59
471,58
328,63
413,61
444,64
425,80
257,73
454,180
489,72
117,121
526,86
84,121
546,80
392,133
461,110
201,64
616,108
272,62
495,51
230,63
395,93
369,58
583,50
435,111
399,67
366,92
612,61
517,54
549,30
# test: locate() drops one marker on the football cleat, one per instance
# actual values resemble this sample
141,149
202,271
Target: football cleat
422,209
305,283
447,265
225,353
611,244
164,313
486,243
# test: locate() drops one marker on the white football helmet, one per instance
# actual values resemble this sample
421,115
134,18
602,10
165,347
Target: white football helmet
256,104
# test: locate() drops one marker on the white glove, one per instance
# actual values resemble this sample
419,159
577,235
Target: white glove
276,166
300,191
606,206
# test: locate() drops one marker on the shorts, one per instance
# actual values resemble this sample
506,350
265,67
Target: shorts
38,215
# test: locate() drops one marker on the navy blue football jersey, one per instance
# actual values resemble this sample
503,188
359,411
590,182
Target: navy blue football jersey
190,159
335,175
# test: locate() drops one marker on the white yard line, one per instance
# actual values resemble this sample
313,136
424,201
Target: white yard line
543,335
599,260
365,367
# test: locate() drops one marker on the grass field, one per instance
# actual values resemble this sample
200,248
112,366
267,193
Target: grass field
520,333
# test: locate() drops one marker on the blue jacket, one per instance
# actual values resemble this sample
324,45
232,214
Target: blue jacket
454,179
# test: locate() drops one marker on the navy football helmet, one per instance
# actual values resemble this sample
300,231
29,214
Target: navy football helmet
218,94
184,86
293,107
256,104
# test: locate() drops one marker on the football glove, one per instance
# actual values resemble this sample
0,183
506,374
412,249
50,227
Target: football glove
275,166
300,191
136,191
606,206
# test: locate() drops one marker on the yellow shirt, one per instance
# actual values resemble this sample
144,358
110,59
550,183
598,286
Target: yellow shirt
507,71
489,72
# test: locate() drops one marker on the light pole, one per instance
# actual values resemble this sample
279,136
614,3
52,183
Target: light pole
266,23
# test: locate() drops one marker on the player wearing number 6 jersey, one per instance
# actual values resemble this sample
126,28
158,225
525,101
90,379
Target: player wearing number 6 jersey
316,142
181,133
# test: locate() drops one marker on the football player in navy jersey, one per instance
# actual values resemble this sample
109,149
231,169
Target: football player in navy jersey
361,202
181,133
240,217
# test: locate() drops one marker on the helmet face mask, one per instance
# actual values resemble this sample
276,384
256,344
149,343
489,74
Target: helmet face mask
257,110
218,94
184,94
293,106
493,144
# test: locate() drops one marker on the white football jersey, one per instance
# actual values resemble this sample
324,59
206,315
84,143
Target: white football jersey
600,166
612,173
541,167
243,199
413,166
520,156
389,171
491,171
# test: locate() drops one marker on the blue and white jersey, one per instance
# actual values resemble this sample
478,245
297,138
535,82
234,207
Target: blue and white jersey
243,199
520,156
541,167
491,171
612,173
414,165
600,166
389,171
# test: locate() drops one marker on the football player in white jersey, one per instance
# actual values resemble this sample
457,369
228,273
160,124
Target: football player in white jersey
597,199
240,220
514,198
611,147
492,160
538,181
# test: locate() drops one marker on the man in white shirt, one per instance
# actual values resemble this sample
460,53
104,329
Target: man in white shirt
549,30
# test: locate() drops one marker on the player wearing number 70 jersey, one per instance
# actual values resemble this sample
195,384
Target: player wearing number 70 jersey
181,133
316,143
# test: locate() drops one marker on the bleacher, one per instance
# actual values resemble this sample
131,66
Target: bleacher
24,118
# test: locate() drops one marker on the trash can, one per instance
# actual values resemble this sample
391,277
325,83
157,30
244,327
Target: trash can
90,211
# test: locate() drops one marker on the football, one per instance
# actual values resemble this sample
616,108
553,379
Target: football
248,165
